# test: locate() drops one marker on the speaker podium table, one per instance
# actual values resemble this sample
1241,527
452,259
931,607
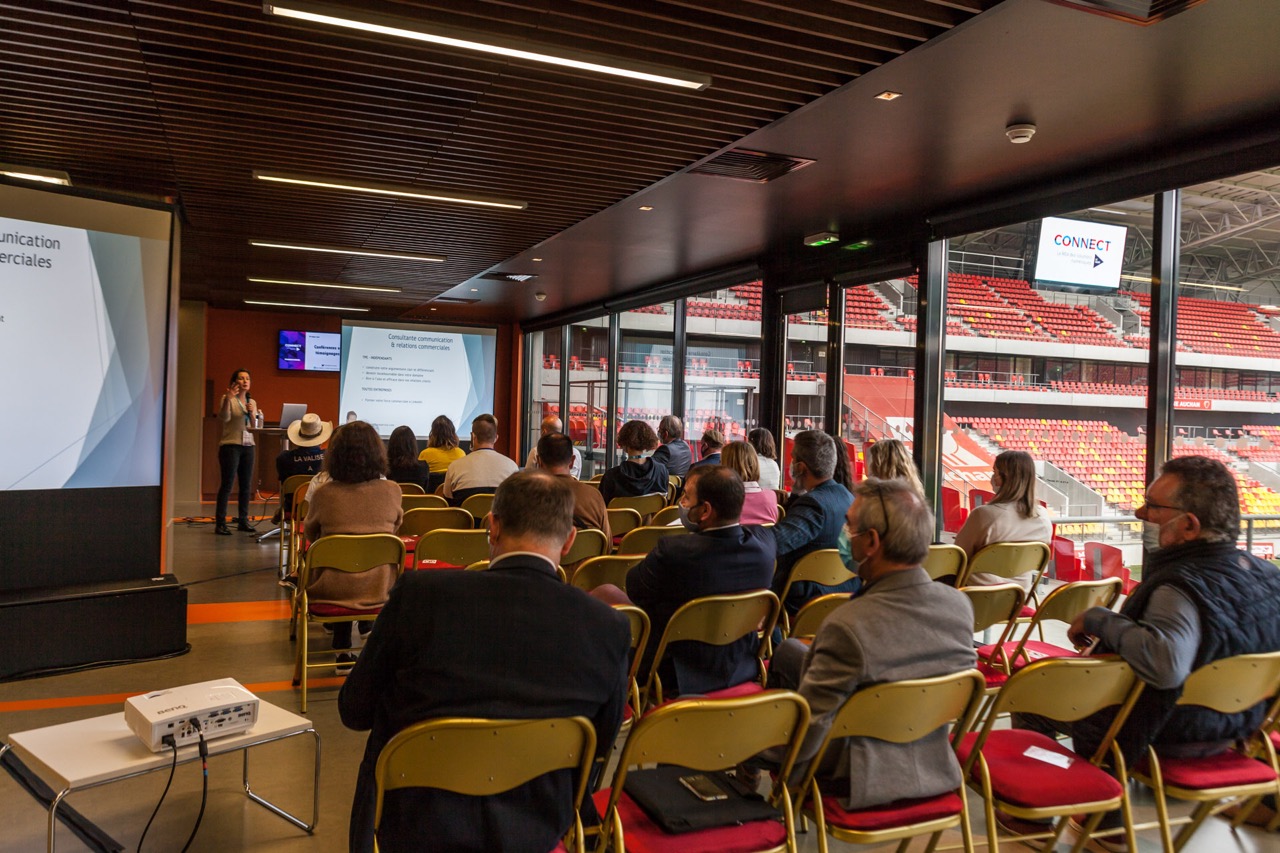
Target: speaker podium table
98,751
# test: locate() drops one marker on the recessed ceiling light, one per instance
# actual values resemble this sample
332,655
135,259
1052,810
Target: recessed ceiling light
338,250
475,290
332,284
537,260
888,95
298,305
387,25
646,207
35,173
435,309
425,193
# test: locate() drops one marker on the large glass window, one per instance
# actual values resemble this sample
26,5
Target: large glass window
543,397
877,398
806,379
722,362
1228,330
1047,347
645,362
589,391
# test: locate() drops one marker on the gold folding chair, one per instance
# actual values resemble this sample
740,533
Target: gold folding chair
423,520
1063,604
998,604
707,735
640,628
588,543
646,505
479,506
483,566
944,560
1229,686
599,571
452,547
897,712
1053,782
623,520
288,520
717,620
408,502
821,567
485,757
642,539
345,553
665,516
1010,560
411,489
811,616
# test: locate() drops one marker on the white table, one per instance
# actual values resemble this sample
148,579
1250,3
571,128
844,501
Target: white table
87,753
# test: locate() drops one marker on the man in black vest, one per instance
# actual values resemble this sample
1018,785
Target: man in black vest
1201,599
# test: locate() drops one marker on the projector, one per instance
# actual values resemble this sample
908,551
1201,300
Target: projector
222,707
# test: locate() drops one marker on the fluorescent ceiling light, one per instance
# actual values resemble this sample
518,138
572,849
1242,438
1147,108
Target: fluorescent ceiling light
392,190
371,22
35,173
364,253
297,305
1146,279
326,284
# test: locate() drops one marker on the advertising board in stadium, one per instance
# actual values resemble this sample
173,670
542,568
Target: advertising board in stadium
1079,255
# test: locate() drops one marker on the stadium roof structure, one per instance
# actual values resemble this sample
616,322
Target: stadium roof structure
624,180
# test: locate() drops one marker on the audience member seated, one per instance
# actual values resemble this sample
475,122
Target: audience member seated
637,475
357,499
843,472
305,455
403,464
483,469
815,515
550,426
770,474
512,641
1201,599
902,626
555,454
720,558
760,505
889,459
710,446
442,450
1012,516
674,452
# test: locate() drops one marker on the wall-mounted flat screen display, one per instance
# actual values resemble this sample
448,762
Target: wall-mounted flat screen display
310,351
1077,255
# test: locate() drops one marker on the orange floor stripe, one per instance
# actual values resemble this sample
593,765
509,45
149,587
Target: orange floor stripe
118,698
237,611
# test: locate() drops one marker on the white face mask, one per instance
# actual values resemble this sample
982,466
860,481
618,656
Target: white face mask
1150,537
797,488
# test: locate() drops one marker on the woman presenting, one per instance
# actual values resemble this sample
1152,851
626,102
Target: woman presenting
237,413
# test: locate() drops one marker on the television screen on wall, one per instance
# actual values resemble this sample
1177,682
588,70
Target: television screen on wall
1077,255
310,351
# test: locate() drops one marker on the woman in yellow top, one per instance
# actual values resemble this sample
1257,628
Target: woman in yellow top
442,450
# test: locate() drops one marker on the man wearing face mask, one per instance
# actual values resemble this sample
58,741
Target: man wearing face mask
815,515
1201,599
721,557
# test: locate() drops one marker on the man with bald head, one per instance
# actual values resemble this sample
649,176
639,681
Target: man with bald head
550,426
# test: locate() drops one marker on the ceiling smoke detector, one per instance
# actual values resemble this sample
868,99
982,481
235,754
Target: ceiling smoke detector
1020,133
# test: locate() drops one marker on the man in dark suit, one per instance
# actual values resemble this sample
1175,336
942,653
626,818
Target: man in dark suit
815,515
510,642
674,452
711,445
721,557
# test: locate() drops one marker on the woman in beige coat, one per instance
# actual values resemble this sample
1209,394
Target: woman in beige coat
357,499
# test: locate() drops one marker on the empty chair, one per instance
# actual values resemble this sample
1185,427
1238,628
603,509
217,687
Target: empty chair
412,489
409,502
646,505
455,548
479,506
622,521
1063,605
945,561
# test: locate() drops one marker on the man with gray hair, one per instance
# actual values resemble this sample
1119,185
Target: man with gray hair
674,452
901,625
512,641
815,514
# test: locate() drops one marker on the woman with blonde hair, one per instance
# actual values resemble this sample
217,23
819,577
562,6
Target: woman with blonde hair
760,506
890,460
1012,516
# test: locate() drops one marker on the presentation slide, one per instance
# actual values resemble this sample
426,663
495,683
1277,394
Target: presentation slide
1083,254
82,330
400,374
310,351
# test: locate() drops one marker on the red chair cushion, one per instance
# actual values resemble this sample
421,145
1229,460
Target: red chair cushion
1215,771
1027,611
892,815
642,835
1031,783
1033,651
746,688
993,674
560,848
328,610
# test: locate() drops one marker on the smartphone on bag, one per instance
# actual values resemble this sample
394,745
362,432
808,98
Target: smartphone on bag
703,788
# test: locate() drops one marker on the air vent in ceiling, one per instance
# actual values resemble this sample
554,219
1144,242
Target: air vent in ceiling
508,276
758,167
1136,11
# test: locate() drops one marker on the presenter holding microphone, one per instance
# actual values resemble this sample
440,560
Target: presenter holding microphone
238,413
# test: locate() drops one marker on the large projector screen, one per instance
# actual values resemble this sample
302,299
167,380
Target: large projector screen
84,308
397,374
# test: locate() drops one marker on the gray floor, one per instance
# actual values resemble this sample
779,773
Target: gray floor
228,569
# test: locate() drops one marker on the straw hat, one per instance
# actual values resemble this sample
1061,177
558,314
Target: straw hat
309,431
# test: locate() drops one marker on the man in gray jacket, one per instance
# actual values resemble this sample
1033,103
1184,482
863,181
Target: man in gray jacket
901,625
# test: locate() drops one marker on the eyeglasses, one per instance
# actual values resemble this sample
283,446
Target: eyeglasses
1150,504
